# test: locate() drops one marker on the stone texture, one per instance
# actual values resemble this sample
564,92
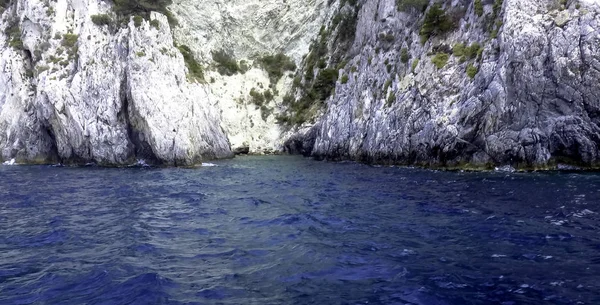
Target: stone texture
533,103
121,93
112,95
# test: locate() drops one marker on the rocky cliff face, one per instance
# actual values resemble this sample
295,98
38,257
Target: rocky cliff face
76,91
247,30
117,89
481,83
501,83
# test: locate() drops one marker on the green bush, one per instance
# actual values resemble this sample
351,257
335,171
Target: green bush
391,99
498,7
387,85
226,64
458,49
478,8
404,56
194,68
325,83
13,32
344,79
414,65
137,20
436,23
257,98
440,60
472,71
155,24
473,50
268,95
347,27
69,41
276,65
101,19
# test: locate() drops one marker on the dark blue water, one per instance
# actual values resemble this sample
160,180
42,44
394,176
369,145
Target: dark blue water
287,230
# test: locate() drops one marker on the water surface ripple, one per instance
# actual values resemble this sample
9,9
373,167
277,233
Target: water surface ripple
288,230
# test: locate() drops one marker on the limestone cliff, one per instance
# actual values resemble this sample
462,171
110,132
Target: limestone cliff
75,91
511,82
447,83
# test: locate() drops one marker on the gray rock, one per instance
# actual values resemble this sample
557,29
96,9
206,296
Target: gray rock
534,101
109,96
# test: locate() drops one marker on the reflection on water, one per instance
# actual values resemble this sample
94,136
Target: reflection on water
287,230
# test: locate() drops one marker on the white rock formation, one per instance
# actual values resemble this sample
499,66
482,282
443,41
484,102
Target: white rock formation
246,30
80,92
110,94
533,100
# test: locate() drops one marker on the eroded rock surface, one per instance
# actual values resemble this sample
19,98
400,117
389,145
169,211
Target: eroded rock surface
533,101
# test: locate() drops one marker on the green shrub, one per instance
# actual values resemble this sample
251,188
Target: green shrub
473,51
137,20
69,41
347,27
498,7
276,65
194,68
472,71
325,83
268,95
41,69
404,56
440,60
478,8
288,99
387,85
414,65
342,65
344,79
436,23
226,64
155,24
391,99
13,32
458,49
257,98
101,19
140,54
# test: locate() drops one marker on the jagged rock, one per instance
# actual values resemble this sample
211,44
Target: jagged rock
74,91
534,101
102,94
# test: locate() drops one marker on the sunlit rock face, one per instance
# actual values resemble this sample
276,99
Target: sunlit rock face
507,83
248,30
528,98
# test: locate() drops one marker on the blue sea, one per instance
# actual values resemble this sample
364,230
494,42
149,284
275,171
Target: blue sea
290,230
